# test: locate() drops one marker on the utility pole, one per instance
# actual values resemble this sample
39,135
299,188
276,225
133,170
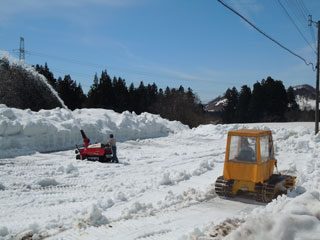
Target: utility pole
317,84
316,117
21,49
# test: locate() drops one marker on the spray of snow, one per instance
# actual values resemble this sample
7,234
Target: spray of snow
16,62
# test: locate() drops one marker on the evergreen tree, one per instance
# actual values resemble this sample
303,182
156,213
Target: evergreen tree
105,92
141,98
121,94
70,92
131,94
93,96
276,101
242,112
229,109
257,106
45,71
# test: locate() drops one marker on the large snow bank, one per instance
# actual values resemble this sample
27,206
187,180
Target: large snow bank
286,219
25,131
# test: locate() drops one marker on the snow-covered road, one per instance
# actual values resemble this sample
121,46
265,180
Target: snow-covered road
161,189
162,186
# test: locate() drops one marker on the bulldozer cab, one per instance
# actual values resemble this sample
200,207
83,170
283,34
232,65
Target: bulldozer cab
249,155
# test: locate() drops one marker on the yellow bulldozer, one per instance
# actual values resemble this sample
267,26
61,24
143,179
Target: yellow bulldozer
249,165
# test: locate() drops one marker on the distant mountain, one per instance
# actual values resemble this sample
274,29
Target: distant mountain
215,105
305,96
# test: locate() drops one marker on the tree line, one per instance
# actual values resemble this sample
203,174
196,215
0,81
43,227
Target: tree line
112,93
269,101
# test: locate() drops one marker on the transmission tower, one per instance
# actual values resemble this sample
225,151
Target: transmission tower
21,49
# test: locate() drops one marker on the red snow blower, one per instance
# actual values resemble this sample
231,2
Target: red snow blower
101,152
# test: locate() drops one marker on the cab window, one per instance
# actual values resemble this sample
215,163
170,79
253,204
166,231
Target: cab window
243,149
265,148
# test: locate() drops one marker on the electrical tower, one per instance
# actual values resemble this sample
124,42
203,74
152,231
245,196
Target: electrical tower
21,49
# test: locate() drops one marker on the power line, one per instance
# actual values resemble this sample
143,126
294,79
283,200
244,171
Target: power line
148,75
300,9
304,12
303,6
311,29
297,12
266,35
285,10
94,65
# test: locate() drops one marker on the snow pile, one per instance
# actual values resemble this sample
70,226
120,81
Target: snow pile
24,131
47,182
137,209
285,219
95,217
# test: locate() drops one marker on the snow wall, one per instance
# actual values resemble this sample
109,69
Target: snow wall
25,132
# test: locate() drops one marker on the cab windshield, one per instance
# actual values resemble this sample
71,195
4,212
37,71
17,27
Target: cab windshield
243,149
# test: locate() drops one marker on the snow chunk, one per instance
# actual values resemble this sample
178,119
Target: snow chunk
70,168
106,204
121,196
137,207
2,187
31,233
95,217
166,179
46,182
204,167
302,146
3,231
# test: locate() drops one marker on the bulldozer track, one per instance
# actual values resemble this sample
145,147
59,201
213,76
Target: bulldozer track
224,187
263,192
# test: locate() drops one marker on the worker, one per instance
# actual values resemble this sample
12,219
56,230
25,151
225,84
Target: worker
112,143
246,152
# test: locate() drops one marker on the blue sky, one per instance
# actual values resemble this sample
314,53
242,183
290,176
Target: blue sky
198,44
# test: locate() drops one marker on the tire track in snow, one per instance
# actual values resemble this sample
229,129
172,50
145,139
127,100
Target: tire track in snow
163,225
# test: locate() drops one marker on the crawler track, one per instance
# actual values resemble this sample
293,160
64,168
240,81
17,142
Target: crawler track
224,187
276,185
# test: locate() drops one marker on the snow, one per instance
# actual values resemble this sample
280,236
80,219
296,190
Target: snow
223,101
163,187
305,103
26,132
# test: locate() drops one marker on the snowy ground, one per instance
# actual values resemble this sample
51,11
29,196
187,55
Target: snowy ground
162,188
